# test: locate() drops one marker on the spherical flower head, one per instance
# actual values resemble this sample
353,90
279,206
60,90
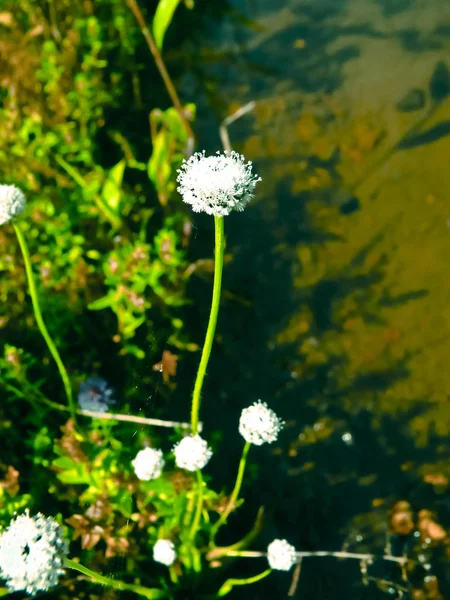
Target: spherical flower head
259,424
12,203
281,555
148,464
192,453
32,553
95,395
164,552
217,184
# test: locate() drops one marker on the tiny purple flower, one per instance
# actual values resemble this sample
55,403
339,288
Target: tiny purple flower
95,395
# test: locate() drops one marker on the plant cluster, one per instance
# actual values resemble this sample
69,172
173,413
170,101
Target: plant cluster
181,527
83,240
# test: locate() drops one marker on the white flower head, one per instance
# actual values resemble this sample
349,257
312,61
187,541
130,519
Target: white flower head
32,553
217,184
192,453
259,424
12,203
148,464
164,552
281,555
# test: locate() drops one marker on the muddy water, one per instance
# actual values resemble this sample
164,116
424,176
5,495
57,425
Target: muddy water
337,304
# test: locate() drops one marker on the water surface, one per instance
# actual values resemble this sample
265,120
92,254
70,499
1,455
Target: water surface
337,303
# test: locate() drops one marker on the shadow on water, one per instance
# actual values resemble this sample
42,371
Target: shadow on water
313,484
257,41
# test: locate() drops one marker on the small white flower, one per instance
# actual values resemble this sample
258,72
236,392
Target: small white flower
217,184
12,203
164,552
281,555
259,424
148,464
32,553
192,453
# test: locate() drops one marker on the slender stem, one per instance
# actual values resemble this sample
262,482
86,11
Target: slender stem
216,552
198,507
209,338
223,129
133,419
235,493
152,593
231,583
189,509
94,414
40,321
160,65
401,560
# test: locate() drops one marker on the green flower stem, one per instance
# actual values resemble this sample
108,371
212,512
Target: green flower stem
234,494
189,509
40,321
218,552
231,583
151,593
198,508
209,338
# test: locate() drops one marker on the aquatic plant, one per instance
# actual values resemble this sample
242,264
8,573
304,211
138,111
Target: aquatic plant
12,203
32,553
133,492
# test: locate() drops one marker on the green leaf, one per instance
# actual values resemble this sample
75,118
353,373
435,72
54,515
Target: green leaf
225,589
134,350
112,187
132,324
158,163
125,504
64,462
102,303
162,19
175,125
74,476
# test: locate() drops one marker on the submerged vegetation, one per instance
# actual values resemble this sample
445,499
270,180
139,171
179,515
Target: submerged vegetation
124,403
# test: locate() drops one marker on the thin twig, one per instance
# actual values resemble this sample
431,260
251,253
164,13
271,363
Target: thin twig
401,560
161,68
133,419
223,129
295,578
100,415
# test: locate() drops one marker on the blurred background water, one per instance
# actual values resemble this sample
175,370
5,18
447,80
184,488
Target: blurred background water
339,314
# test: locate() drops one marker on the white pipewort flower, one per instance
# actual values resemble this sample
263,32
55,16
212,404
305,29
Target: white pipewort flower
32,553
217,184
148,464
281,555
164,552
259,424
12,203
192,453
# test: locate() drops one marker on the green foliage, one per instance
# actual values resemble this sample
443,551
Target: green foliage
85,211
169,140
163,16
161,20
140,275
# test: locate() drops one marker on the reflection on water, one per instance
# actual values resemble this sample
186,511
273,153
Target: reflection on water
344,259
